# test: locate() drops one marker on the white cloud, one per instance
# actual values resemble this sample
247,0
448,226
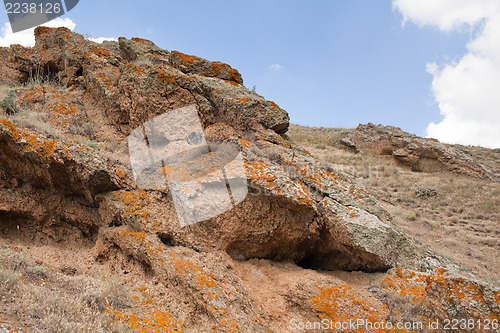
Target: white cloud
102,39
27,37
276,67
445,14
467,91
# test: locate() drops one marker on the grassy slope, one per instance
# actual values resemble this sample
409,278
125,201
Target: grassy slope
462,222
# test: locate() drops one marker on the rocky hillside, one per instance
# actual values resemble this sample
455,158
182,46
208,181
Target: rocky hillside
85,246
455,213
419,154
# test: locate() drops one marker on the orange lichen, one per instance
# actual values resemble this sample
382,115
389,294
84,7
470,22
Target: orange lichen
235,75
245,143
244,100
134,202
166,78
218,67
419,287
138,235
214,292
120,172
231,83
187,59
101,52
141,40
340,304
42,30
202,279
7,328
151,318
263,174
219,70
275,107
30,141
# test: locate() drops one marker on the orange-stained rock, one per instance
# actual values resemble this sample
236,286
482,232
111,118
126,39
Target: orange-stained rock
286,252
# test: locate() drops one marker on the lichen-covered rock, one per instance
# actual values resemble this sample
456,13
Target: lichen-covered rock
69,169
201,279
419,154
136,48
15,65
143,81
312,216
254,268
192,64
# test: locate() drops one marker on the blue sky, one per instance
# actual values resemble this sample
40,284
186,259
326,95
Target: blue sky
328,63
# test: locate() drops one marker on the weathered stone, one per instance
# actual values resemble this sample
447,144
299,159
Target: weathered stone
218,274
419,154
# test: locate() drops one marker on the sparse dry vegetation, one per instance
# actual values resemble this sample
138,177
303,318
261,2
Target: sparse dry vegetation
320,138
457,215
66,120
53,302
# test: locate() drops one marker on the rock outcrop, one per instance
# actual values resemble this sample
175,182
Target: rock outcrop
295,210
317,219
419,154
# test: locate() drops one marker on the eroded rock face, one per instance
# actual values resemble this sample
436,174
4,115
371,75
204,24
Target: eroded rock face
295,210
300,212
419,154
71,170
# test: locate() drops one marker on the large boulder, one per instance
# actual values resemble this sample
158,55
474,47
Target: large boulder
419,154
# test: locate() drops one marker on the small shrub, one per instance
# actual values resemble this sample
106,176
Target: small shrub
426,192
487,205
92,144
83,129
435,225
37,121
8,103
114,294
489,241
411,216
8,279
36,273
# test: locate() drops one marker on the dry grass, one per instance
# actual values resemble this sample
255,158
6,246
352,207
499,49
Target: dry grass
53,302
461,222
99,135
36,116
43,77
318,137
9,280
